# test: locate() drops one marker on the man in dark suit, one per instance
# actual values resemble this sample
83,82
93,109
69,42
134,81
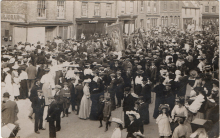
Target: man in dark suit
9,110
119,88
59,104
78,95
32,73
53,114
153,70
72,93
128,104
38,108
34,94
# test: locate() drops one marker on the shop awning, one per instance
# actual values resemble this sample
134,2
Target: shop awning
210,15
43,23
127,17
96,20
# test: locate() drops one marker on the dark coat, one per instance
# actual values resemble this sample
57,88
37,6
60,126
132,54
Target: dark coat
38,105
146,93
134,127
9,112
79,93
128,102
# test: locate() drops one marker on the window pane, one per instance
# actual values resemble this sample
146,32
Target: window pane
206,8
108,10
131,6
84,9
41,8
122,7
142,6
97,9
213,8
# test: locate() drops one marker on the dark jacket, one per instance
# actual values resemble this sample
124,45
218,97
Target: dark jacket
79,93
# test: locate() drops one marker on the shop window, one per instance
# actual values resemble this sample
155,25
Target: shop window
142,23
206,8
131,7
84,9
41,8
142,6
108,9
97,9
166,21
6,33
123,7
162,21
213,8
60,8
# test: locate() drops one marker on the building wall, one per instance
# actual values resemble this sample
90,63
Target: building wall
191,13
209,4
173,9
91,7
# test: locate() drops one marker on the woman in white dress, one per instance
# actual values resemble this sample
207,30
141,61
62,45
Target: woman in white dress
163,121
48,83
117,131
8,84
85,105
16,81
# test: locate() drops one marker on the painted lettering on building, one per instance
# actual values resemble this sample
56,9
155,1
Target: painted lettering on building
13,17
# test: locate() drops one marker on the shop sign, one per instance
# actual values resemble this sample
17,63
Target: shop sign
93,21
13,17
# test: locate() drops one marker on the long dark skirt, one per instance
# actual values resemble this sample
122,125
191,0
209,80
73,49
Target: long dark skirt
23,89
137,89
159,100
94,108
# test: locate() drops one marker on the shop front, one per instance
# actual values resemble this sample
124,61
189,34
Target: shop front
210,17
33,32
128,22
91,26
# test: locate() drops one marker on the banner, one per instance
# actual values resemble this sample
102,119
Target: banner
116,34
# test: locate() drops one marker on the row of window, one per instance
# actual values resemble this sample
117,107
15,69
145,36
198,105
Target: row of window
175,20
41,9
123,7
172,5
207,8
84,11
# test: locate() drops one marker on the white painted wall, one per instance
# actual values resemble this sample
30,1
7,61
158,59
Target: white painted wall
36,34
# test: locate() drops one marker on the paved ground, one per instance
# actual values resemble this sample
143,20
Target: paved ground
73,127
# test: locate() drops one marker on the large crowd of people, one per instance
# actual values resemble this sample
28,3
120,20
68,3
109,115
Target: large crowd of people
91,79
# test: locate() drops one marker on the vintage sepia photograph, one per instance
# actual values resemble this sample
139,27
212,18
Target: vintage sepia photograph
109,69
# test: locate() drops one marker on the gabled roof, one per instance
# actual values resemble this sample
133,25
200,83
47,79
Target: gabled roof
188,4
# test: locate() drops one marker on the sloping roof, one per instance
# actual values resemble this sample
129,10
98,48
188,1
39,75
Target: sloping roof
188,4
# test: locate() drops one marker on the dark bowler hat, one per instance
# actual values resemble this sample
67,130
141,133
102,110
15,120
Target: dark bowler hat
6,94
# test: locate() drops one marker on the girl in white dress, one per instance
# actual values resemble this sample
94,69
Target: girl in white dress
16,82
8,84
118,127
163,121
85,105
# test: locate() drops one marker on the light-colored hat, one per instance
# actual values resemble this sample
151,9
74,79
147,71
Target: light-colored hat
87,81
117,120
137,115
12,60
58,87
134,95
16,66
164,106
178,72
138,134
6,69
